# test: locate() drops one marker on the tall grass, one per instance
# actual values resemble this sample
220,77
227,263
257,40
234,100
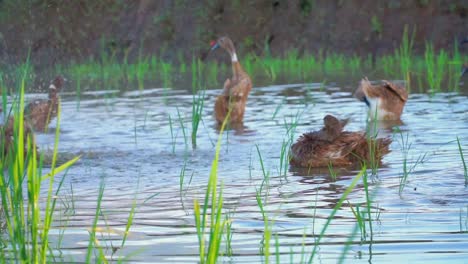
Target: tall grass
405,55
435,67
21,179
213,202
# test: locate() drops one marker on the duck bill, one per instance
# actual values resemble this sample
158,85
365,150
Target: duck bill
214,47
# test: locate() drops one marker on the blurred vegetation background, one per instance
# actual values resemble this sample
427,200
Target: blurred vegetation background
68,32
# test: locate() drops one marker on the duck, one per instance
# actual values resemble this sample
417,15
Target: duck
385,101
333,146
236,89
40,112
7,136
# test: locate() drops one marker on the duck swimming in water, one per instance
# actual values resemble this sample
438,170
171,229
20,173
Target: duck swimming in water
7,135
39,113
332,145
236,90
385,101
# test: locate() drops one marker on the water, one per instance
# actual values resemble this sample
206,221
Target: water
126,143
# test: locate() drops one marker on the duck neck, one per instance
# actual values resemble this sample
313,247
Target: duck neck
236,67
53,92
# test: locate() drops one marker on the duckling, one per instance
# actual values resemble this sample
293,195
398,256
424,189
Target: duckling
40,112
236,90
332,145
385,101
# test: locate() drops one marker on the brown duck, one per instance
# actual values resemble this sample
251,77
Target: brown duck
332,145
7,130
40,113
385,101
236,90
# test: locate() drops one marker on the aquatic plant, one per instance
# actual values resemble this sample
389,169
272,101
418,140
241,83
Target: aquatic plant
407,167
360,222
266,174
213,201
173,137
278,107
405,56
182,182
436,70
331,171
435,67
93,243
465,170
182,126
371,137
27,227
198,101
333,213
455,66
142,69
267,228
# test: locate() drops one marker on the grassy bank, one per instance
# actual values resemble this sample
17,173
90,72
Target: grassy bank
433,71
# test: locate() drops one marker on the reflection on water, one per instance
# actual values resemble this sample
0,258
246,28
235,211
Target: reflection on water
128,143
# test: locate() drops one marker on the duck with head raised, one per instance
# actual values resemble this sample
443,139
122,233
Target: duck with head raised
39,113
385,101
236,90
332,145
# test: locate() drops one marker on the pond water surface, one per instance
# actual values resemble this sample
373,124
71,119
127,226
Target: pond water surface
126,142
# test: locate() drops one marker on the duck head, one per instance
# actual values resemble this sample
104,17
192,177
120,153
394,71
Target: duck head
56,85
225,43
334,124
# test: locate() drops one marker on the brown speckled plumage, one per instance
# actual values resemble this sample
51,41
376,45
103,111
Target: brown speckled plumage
235,91
389,98
39,113
7,131
331,145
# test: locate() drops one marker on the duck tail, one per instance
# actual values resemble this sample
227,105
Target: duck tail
369,149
